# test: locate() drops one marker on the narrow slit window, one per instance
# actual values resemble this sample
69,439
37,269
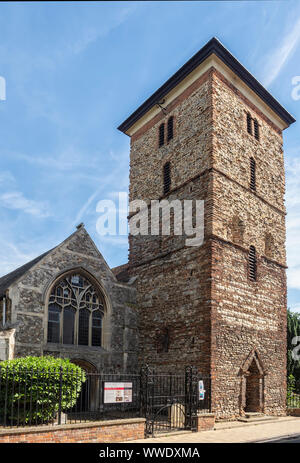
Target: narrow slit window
170,128
161,136
256,129
167,177
249,123
252,174
252,264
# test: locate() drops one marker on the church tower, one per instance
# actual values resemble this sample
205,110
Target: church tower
212,132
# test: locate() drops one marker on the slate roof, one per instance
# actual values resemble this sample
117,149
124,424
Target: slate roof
120,272
214,46
7,280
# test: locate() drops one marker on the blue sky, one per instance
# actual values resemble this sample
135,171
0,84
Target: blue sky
75,71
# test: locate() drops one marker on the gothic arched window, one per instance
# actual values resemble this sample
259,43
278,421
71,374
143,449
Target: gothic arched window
75,312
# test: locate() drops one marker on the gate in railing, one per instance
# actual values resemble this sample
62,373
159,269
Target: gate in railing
167,401
170,402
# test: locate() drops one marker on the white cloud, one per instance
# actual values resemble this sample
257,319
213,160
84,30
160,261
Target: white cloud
118,177
68,159
109,240
16,200
294,307
11,257
277,60
92,34
6,179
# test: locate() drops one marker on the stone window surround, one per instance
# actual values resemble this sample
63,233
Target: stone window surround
84,297
164,123
253,120
106,330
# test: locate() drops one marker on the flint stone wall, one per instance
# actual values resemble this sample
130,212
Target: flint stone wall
29,308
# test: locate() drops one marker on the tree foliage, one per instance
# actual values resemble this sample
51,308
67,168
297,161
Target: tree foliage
293,330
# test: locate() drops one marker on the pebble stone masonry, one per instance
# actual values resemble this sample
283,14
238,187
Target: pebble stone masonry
198,305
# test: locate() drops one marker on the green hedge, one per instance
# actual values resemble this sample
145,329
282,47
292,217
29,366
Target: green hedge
31,387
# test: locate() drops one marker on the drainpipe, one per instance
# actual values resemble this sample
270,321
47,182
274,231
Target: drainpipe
4,311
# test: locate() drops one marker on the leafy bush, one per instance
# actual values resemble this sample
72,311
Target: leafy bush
293,330
291,383
33,388
293,399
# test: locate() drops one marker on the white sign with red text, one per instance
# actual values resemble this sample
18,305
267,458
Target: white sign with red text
115,393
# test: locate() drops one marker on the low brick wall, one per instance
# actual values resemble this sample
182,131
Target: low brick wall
293,411
100,431
205,421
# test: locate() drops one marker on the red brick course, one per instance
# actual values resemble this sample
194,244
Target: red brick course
293,411
100,432
205,422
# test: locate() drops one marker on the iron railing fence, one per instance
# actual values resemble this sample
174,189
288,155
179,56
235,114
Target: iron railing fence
39,397
293,395
172,401
163,387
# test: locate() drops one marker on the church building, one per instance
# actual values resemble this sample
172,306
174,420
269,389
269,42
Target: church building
212,132
68,303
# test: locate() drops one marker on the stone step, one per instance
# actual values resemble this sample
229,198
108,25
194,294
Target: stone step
257,418
170,433
240,424
253,415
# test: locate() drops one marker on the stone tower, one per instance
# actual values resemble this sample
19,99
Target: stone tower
212,132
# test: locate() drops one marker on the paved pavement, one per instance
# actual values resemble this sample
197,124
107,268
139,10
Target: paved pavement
280,430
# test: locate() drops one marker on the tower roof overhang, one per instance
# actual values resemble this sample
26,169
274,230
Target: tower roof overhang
212,54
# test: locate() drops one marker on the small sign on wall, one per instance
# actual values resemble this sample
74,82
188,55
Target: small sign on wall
115,393
201,390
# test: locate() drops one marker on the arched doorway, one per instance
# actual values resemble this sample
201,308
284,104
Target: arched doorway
252,385
253,393
88,400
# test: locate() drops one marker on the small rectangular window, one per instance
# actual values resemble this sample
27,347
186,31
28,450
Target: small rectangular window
252,126
256,129
252,174
249,123
252,264
161,136
170,128
167,177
